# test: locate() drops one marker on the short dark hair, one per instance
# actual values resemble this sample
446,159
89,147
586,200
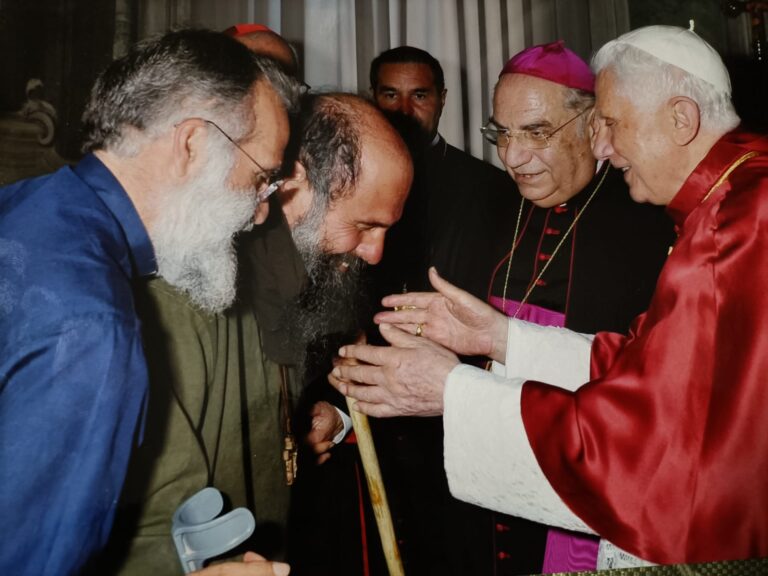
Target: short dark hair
181,74
407,54
326,139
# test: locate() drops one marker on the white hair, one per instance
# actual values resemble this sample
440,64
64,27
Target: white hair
183,74
193,234
580,102
659,81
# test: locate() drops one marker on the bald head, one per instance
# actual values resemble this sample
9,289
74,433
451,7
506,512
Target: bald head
332,134
268,43
376,134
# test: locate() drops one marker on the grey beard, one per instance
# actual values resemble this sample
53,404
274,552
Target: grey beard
330,311
208,276
334,300
193,236
331,302
308,239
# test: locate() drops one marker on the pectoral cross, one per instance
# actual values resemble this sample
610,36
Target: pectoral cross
290,458
290,447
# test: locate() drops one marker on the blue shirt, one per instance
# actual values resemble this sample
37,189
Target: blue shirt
73,378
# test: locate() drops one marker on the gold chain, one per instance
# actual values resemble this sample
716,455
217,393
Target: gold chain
559,244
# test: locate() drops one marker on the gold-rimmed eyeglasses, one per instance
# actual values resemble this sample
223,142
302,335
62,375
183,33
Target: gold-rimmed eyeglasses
534,139
267,181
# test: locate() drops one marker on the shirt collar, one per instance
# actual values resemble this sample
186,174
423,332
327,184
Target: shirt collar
93,172
590,187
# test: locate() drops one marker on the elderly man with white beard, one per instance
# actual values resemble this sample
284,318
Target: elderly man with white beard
219,404
161,191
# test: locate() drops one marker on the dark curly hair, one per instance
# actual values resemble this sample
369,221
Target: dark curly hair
325,138
407,54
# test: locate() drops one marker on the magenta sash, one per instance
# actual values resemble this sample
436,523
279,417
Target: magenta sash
565,551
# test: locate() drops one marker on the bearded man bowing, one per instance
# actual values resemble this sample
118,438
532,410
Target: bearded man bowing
221,406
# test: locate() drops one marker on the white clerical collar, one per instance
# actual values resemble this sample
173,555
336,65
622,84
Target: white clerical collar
599,165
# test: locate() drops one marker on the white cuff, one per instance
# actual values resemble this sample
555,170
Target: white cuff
488,459
556,356
347,421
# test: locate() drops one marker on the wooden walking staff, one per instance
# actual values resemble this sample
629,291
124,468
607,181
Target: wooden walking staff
376,490
375,484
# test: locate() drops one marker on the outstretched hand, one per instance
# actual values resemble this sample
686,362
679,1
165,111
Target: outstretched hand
405,379
451,317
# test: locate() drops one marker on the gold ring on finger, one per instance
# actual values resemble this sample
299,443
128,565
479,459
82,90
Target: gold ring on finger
419,329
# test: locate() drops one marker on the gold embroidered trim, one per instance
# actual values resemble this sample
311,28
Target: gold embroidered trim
728,172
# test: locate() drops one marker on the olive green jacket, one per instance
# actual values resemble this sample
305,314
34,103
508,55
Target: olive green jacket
214,419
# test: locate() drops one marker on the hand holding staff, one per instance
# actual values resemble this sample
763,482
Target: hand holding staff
375,485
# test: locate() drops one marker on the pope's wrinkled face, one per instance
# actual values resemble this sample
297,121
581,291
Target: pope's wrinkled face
552,175
409,88
633,139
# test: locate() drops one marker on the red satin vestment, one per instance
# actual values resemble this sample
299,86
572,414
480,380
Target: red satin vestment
665,451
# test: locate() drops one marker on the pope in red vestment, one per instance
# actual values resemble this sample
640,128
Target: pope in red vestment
663,451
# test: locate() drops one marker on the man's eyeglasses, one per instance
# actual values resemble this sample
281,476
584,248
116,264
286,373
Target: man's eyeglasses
267,181
535,139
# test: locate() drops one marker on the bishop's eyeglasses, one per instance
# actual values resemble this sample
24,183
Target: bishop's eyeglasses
534,139
267,181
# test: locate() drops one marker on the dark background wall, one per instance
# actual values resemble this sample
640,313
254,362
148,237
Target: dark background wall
731,36
64,43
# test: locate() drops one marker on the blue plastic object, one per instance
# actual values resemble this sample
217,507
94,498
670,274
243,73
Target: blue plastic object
200,533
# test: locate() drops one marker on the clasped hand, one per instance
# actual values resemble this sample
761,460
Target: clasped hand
405,379
408,378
